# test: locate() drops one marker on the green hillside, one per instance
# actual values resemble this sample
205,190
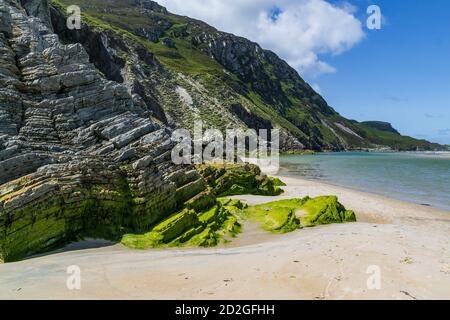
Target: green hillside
185,70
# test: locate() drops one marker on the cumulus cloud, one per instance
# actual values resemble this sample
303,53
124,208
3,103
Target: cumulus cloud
300,31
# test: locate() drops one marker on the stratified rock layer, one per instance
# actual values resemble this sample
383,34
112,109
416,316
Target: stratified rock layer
78,157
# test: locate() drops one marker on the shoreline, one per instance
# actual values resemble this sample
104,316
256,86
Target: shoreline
408,242
321,188
371,192
412,193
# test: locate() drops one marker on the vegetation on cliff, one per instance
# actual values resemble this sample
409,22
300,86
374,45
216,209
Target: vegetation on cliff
229,79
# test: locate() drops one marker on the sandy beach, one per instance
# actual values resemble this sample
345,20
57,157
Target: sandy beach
408,243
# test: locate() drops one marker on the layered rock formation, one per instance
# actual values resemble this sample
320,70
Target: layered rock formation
185,70
79,157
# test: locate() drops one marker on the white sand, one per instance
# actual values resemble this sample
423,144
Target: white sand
409,243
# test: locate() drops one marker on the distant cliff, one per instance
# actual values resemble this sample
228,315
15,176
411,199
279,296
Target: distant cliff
381,126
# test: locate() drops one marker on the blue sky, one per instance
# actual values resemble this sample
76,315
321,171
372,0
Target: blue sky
399,74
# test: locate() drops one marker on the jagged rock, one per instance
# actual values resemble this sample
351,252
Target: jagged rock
84,138
77,156
39,9
157,86
5,20
150,5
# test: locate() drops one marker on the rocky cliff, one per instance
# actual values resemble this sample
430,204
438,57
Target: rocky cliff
185,70
79,156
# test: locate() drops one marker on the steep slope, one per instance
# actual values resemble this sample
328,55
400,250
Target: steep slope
185,70
78,157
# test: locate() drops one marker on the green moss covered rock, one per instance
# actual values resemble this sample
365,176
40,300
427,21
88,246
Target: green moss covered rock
191,228
324,210
289,215
236,179
202,201
177,224
276,217
207,227
144,241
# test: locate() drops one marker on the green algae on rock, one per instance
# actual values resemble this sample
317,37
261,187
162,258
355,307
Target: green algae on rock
275,217
324,210
238,179
288,215
188,228
206,228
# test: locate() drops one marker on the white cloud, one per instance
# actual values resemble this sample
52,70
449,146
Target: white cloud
302,31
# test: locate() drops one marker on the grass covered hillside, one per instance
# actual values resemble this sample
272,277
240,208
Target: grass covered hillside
183,70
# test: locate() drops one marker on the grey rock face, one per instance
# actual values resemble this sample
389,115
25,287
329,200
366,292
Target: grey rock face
5,20
150,5
157,88
78,157
39,9
155,32
247,60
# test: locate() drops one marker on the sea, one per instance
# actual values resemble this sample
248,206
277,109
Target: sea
419,177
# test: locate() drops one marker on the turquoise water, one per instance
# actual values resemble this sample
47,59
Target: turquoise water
414,177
